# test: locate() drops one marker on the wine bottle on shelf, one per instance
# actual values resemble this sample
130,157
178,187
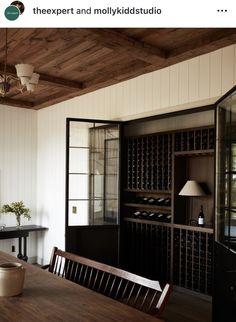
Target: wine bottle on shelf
144,214
160,201
160,217
137,214
201,218
168,218
144,200
151,201
167,202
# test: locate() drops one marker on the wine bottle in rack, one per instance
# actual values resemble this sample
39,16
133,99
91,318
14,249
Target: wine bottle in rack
137,214
160,201
144,214
167,202
201,218
160,216
152,215
168,218
151,201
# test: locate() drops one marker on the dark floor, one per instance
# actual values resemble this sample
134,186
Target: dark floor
187,306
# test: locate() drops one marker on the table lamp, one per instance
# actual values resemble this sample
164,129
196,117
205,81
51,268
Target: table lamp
192,189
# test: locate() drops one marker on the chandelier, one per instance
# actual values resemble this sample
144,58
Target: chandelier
25,78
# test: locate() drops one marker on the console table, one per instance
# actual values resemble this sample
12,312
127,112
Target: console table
20,233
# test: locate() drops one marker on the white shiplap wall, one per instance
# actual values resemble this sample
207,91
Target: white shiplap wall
18,145
192,83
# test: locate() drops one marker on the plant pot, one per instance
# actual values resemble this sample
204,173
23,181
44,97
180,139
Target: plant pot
11,279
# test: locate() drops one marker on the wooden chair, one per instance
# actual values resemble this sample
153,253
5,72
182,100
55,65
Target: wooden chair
136,291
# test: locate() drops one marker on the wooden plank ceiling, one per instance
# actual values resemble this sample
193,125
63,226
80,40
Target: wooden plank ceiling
72,62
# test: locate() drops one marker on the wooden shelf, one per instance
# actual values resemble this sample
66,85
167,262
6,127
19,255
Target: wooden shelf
194,228
149,222
194,152
185,227
149,191
147,206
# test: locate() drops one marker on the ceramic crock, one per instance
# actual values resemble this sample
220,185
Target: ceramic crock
11,279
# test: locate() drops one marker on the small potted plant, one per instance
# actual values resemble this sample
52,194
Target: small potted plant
18,208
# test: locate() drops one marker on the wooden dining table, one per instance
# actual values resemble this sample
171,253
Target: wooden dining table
47,297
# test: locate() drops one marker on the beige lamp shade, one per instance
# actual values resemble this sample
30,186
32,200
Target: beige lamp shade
192,188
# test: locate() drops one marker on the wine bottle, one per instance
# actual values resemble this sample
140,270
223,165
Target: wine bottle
167,202
151,201
137,214
160,201
201,218
152,215
144,214
160,217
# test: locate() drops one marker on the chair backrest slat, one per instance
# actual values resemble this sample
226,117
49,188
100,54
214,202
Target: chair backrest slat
144,299
80,274
101,280
112,285
90,277
95,279
139,292
137,295
118,289
130,293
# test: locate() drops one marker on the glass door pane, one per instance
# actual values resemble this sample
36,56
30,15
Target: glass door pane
226,172
93,173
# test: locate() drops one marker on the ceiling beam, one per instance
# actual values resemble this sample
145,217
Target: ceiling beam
117,41
16,103
47,79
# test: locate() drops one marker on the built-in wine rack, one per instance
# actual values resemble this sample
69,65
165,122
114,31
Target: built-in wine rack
155,245
149,162
148,248
192,264
195,140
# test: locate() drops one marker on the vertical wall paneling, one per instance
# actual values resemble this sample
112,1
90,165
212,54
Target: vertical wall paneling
193,79
140,85
184,82
18,144
156,90
204,76
216,73
165,87
174,85
227,68
148,95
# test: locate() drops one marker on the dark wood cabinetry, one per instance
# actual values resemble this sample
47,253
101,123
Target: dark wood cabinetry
161,237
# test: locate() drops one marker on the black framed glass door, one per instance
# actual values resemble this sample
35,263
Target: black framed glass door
92,188
224,299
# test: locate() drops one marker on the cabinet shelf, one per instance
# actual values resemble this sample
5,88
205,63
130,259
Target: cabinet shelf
138,205
195,228
194,152
148,222
149,191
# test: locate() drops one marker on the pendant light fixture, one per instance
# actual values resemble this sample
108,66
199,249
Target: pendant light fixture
25,78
